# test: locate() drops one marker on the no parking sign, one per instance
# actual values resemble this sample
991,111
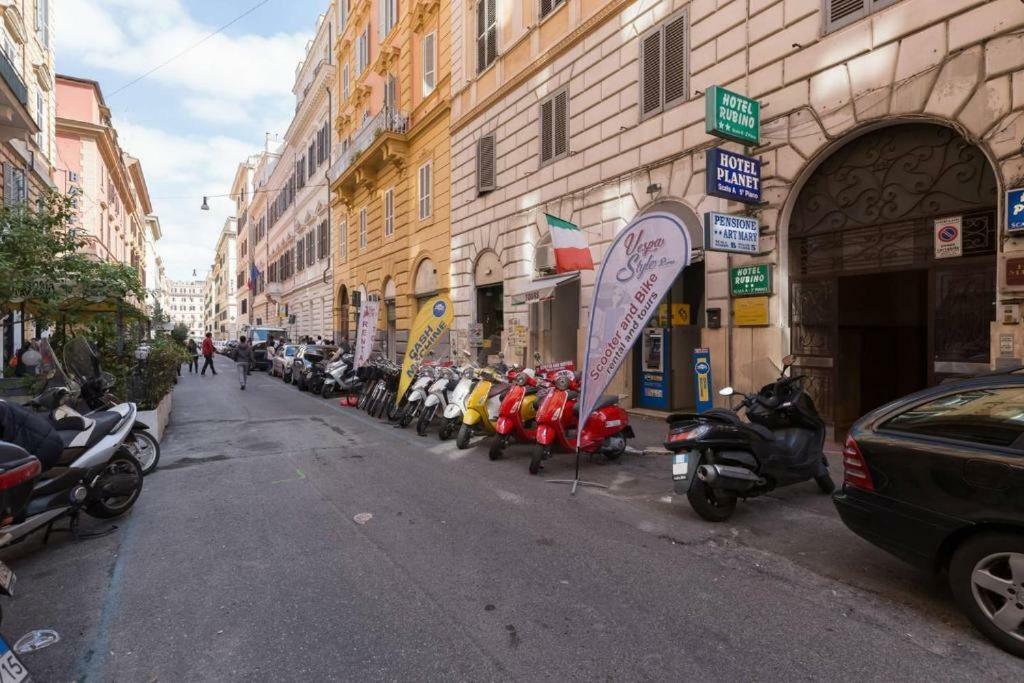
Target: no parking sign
949,237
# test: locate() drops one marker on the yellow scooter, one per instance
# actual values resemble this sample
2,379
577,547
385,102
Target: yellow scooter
482,407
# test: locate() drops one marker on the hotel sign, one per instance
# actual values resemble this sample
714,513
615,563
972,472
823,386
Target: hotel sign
737,234
733,176
732,116
750,280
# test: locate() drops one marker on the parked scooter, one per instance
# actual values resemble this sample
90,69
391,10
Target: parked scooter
517,419
95,395
604,431
426,373
342,378
719,458
482,406
438,396
456,408
96,472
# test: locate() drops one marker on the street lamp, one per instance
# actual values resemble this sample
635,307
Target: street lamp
206,205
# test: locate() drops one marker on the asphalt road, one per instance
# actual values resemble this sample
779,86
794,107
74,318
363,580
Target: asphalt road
242,561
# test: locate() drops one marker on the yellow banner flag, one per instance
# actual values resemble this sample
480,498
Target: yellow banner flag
432,322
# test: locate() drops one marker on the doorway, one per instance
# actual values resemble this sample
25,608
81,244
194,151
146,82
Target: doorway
490,315
883,340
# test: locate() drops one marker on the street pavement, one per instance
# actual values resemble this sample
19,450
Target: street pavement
243,560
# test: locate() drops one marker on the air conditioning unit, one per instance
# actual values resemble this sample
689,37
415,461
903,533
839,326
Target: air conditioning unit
544,259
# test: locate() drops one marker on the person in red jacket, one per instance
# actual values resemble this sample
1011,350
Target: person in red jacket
208,354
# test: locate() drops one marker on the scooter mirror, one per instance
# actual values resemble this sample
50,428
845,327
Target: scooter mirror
787,361
536,356
726,391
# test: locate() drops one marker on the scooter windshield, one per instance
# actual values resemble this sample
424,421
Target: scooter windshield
81,360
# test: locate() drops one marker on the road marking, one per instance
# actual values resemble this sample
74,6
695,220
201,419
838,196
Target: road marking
302,475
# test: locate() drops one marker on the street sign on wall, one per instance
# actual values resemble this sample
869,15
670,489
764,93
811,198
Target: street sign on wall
737,234
949,237
1015,211
1015,272
732,116
750,280
702,384
733,176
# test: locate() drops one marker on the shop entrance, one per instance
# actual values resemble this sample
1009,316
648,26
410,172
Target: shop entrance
490,315
875,312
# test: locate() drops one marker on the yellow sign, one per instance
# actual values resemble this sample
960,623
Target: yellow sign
432,323
680,315
750,311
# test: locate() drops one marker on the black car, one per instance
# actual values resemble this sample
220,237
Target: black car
937,479
305,360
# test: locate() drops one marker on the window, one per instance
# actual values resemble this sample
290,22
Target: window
989,416
387,16
389,212
43,21
40,118
664,65
549,6
426,190
300,172
485,165
362,228
428,59
15,189
245,305
343,240
310,248
554,127
486,34
344,83
313,163
342,15
300,255
323,240
391,93
363,51
840,13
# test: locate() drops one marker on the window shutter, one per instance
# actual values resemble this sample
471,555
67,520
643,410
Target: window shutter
382,17
485,165
546,7
839,13
492,30
428,64
561,123
8,183
481,35
650,73
546,132
676,58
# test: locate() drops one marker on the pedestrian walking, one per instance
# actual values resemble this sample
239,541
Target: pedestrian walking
243,358
208,354
319,340
193,355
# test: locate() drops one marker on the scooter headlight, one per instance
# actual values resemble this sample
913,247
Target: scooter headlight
562,382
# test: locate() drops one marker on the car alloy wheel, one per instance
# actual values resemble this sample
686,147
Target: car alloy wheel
997,584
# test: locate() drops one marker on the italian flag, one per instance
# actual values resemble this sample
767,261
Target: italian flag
572,252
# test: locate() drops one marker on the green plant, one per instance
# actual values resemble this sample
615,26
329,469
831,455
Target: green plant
180,333
154,377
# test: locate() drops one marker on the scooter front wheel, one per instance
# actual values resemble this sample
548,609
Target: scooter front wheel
411,413
539,455
117,487
425,419
711,505
447,427
463,437
498,447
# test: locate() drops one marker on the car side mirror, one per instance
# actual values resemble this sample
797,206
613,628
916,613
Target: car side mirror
726,391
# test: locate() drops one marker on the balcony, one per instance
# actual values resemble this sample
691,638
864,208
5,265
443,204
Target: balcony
15,120
380,141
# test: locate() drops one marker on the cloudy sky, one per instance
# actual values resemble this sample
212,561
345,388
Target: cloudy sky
194,120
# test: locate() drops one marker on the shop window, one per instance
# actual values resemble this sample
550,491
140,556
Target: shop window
664,65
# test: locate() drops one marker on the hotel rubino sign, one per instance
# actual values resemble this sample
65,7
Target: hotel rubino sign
732,116
733,176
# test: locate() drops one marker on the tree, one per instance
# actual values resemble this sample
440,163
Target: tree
180,333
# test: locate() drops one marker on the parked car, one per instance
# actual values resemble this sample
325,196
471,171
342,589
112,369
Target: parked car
937,479
228,348
305,360
282,364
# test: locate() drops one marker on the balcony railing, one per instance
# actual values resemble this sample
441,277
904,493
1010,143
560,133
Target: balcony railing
388,120
13,80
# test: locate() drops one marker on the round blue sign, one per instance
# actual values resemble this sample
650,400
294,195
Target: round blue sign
439,309
702,368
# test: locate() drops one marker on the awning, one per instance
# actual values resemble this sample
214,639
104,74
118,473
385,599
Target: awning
542,289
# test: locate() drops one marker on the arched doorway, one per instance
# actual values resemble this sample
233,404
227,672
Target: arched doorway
876,310
343,314
391,318
662,360
489,323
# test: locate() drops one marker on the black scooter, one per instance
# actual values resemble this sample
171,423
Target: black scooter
719,458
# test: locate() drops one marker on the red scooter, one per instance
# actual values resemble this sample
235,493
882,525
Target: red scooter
517,419
605,430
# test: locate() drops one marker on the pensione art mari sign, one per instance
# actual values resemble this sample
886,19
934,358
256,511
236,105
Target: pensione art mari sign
737,234
732,116
733,176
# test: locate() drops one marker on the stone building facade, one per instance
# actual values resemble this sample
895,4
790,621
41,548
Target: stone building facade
878,118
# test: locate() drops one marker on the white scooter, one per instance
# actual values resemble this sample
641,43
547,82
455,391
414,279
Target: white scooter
437,398
417,395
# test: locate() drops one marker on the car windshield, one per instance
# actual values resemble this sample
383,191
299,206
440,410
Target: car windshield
260,335
289,351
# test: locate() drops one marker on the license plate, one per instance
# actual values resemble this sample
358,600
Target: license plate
11,669
7,579
680,466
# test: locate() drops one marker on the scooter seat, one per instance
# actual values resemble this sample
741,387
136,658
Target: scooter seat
732,418
102,424
604,402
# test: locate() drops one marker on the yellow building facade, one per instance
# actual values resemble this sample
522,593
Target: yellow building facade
390,175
